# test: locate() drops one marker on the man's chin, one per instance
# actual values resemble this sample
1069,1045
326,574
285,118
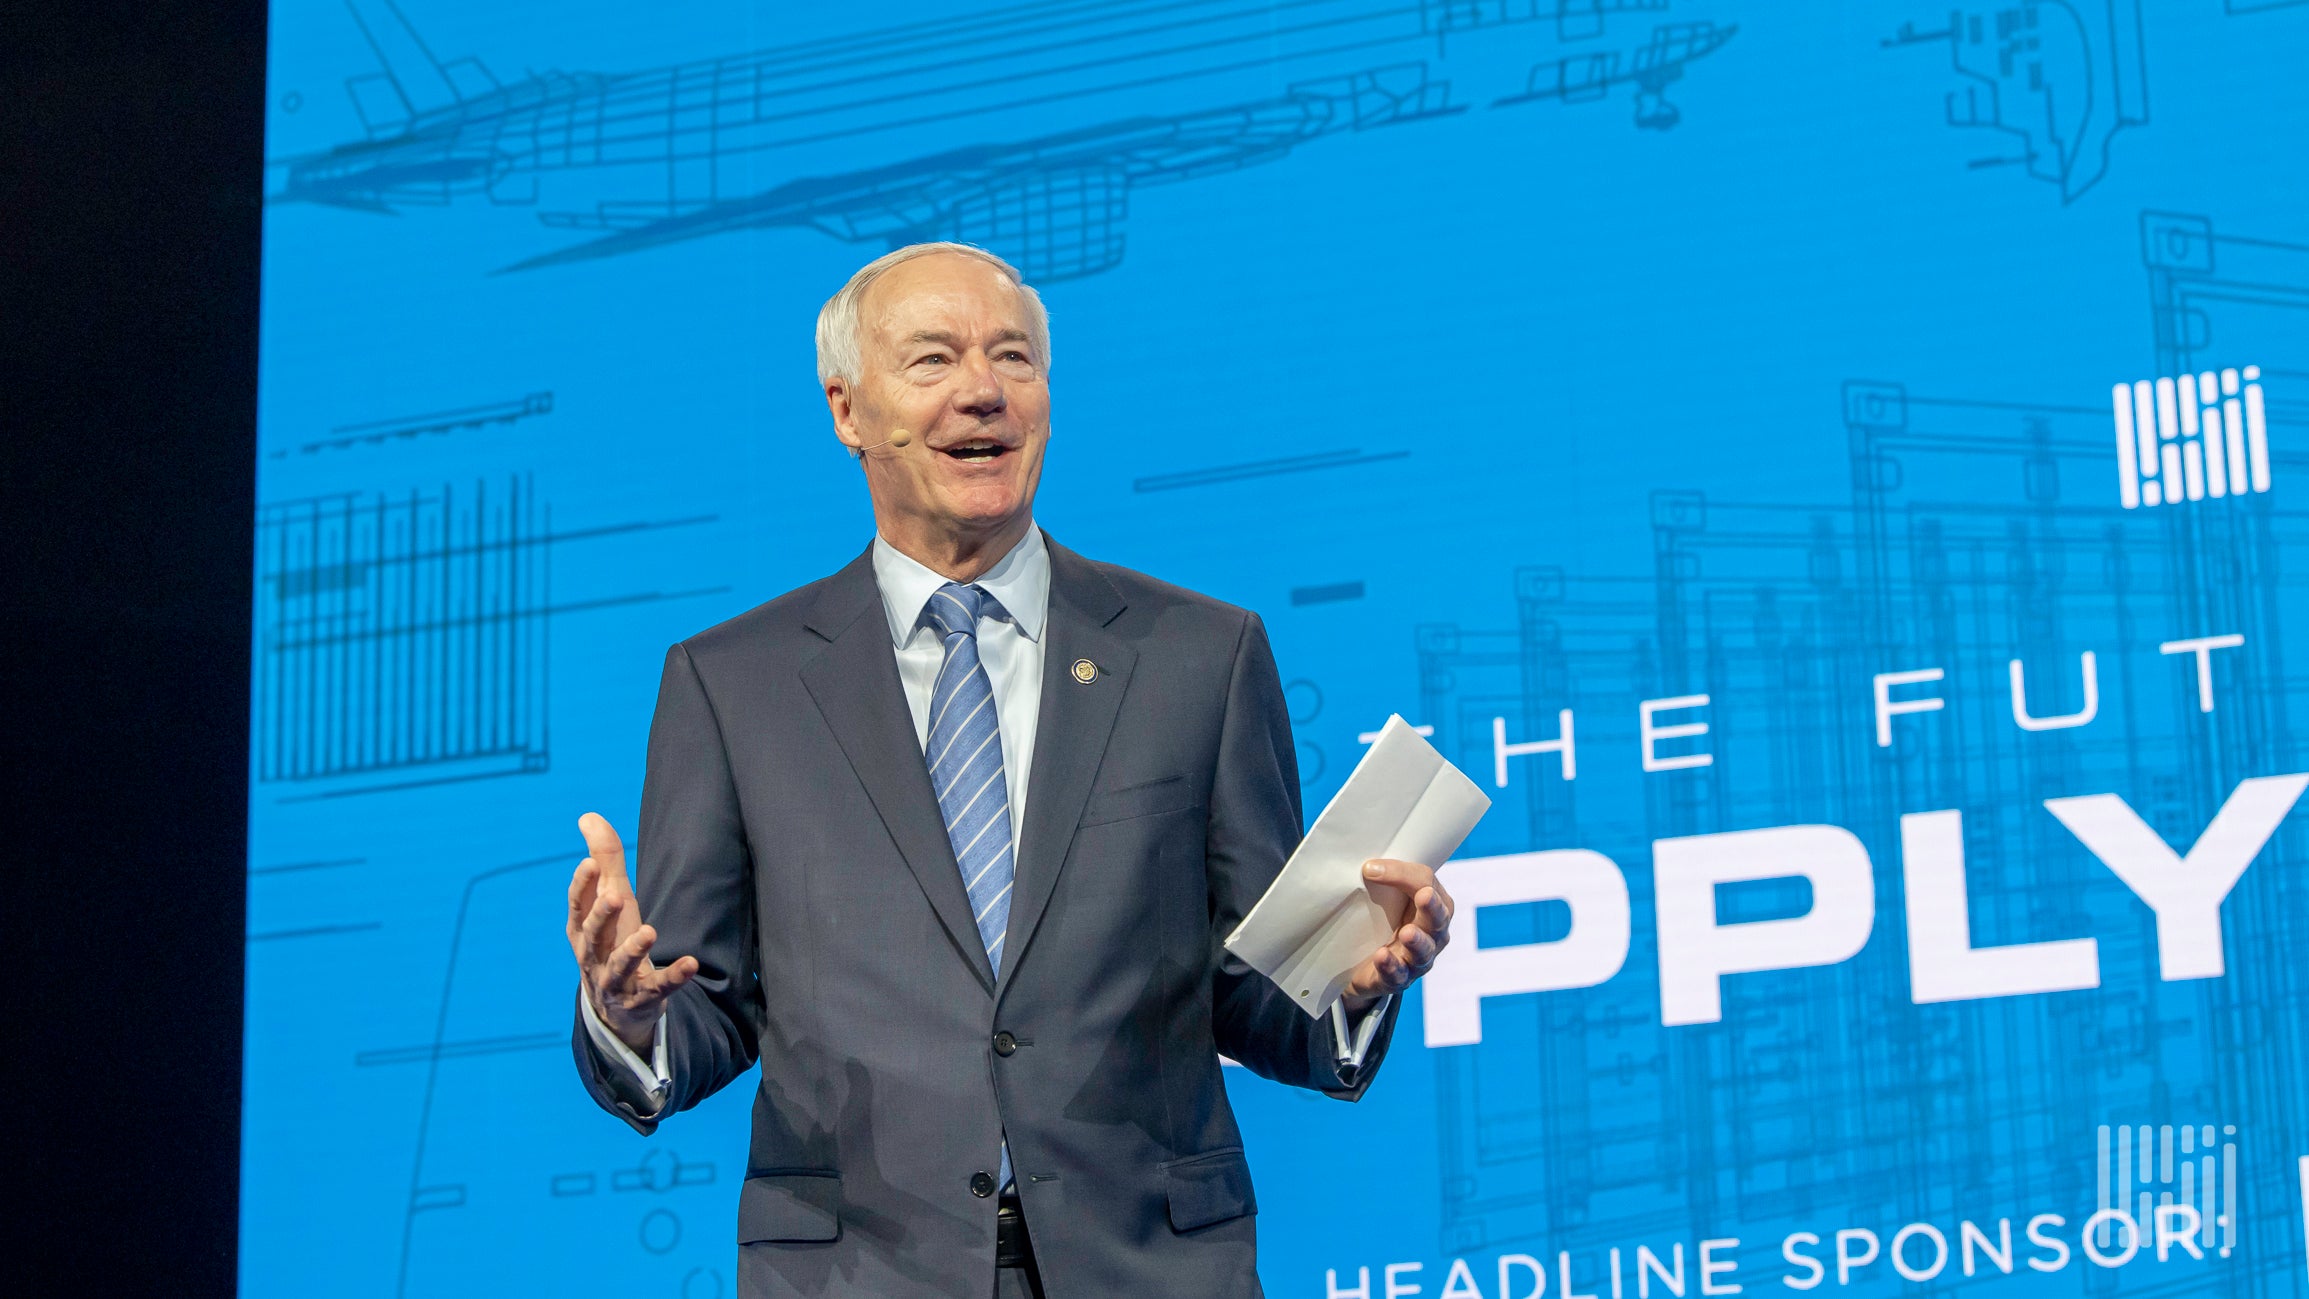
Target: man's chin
986,509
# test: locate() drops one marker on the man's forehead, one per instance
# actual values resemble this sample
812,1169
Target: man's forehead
941,284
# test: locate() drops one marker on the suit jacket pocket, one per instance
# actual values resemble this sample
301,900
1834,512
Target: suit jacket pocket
1149,798
1209,1188
790,1207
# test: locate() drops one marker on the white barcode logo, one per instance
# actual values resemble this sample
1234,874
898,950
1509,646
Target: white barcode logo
2191,437
2157,1189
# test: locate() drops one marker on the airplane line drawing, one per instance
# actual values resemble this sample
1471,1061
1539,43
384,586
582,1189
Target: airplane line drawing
1059,198
439,131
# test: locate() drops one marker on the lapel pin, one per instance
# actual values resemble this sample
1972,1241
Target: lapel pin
1085,671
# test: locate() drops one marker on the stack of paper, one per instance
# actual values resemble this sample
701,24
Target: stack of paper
1318,921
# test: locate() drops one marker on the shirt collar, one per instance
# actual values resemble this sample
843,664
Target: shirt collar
1020,583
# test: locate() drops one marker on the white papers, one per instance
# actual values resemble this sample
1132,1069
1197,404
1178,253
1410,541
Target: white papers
1318,921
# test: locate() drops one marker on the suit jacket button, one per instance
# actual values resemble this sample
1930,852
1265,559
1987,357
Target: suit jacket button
982,1184
1004,1043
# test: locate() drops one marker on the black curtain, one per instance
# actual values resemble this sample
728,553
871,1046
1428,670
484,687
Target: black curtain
131,169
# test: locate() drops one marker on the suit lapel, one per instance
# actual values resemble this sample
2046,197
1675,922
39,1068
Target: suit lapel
854,682
1070,735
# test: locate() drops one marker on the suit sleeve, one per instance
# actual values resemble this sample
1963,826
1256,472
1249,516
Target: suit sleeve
694,880
1255,824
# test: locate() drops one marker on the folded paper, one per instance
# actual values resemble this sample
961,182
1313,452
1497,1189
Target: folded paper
1319,920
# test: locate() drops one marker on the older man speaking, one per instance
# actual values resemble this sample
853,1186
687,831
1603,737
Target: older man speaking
948,841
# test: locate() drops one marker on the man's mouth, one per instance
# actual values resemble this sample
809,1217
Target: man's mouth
976,450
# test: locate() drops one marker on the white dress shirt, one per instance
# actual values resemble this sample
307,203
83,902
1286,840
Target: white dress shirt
1010,647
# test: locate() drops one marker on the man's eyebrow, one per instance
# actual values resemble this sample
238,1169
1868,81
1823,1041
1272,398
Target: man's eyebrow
953,340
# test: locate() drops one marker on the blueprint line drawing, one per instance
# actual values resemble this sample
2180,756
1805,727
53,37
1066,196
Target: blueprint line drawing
668,143
404,638
1574,20
381,432
1978,529
424,1196
1339,459
2211,294
457,1188
1058,200
1304,699
403,633
1649,68
288,868
2059,78
316,931
471,1046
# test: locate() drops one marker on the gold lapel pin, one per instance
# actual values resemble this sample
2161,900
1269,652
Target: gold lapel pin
1085,671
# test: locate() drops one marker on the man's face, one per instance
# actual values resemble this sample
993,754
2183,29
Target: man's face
946,352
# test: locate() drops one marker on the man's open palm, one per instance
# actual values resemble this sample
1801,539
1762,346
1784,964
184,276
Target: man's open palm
612,944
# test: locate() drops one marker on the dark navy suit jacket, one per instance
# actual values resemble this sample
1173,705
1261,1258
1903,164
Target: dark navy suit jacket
790,841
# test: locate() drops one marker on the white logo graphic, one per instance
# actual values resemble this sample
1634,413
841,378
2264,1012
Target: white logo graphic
2189,1201
2189,438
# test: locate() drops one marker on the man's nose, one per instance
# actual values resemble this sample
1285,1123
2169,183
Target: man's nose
980,390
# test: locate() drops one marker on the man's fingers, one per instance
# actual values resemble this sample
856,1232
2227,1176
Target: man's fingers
1425,931
1431,909
1394,973
612,908
605,848
1424,915
627,980
617,973
1416,947
1408,876
1375,979
581,890
1404,877
580,900
599,930
651,985
588,930
661,982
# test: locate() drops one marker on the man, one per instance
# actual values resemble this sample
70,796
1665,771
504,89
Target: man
948,841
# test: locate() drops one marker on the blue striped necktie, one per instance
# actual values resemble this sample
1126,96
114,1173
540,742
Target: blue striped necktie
965,756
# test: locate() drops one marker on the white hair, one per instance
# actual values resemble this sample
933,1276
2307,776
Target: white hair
838,353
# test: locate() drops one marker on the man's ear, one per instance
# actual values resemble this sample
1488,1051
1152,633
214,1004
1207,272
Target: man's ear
840,406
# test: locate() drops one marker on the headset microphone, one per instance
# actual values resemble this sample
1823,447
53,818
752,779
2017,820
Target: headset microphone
897,438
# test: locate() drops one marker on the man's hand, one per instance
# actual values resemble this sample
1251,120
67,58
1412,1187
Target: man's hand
612,944
1422,912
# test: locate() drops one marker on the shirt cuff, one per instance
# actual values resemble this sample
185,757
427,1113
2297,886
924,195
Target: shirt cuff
652,1080
1355,1040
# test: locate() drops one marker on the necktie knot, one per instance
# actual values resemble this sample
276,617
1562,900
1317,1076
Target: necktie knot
957,608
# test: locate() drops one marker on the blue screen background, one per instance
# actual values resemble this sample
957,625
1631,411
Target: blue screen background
1507,356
